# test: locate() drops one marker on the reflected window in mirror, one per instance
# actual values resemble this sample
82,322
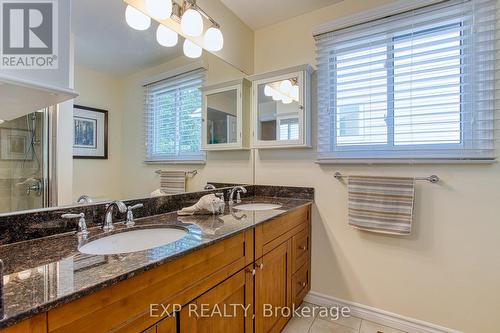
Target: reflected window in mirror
279,110
173,111
222,111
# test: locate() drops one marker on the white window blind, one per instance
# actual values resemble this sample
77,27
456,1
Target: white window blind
420,84
288,128
173,118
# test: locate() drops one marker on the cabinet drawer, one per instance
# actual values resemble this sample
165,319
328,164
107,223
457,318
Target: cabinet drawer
301,249
281,225
301,283
271,234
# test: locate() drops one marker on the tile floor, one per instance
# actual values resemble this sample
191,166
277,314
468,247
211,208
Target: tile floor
330,325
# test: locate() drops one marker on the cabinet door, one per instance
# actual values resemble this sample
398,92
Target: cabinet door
273,289
225,308
167,325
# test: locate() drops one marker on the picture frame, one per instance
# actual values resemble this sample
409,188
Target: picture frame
90,128
15,144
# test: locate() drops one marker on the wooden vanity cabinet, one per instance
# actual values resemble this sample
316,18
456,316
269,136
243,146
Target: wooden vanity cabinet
269,265
36,324
219,309
167,325
282,249
125,307
273,289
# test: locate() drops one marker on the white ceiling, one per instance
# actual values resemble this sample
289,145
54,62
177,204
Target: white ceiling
104,42
261,13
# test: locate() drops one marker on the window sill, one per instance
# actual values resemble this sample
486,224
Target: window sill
405,161
175,162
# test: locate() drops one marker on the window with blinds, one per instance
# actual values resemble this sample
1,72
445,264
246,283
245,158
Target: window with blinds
173,119
420,84
288,128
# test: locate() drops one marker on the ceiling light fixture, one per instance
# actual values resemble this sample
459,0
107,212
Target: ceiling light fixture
136,19
166,36
192,23
191,50
286,91
214,41
161,9
187,19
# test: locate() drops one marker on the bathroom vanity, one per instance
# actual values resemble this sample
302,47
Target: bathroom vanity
220,277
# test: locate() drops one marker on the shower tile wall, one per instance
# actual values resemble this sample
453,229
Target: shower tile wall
15,172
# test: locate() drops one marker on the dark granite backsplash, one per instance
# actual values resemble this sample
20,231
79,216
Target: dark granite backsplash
32,225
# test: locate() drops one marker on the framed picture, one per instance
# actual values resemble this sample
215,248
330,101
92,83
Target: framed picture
15,144
90,132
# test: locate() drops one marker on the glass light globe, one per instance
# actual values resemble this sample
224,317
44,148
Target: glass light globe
268,91
166,36
192,23
294,93
286,86
287,100
214,41
277,96
136,19
191,50
161,9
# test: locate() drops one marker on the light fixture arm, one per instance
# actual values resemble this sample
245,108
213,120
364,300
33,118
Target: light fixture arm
187,4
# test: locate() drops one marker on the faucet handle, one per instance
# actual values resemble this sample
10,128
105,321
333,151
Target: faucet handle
82,224
130,208
130,214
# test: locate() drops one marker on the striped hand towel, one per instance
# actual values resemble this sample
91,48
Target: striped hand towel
173,182
381,204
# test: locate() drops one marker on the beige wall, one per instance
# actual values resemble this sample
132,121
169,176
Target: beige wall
238,37
448,271
100,179
139,179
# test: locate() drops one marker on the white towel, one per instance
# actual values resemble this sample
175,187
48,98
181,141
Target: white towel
173,182
206,205
157,193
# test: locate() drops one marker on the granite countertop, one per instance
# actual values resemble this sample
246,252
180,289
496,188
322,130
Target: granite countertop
44,273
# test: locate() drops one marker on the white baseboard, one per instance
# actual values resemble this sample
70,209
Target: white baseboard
378,316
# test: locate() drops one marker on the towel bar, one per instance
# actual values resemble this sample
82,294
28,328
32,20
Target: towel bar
432,178
189,173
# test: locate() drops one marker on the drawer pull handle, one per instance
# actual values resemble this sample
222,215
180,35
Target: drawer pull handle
251,270
303,247
303,284
261,266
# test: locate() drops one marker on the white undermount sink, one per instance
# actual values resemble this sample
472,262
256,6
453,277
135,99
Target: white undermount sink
257,206
133,241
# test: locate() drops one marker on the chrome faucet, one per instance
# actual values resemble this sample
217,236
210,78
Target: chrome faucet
237,190
209,187
82,225
108,217
84,199
130,214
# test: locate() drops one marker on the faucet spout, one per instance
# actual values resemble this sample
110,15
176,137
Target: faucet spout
108,217
237,190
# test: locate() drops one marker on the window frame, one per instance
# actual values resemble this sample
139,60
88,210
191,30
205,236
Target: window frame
389,148
153,153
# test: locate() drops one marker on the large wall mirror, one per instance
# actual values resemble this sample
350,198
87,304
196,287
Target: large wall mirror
121,73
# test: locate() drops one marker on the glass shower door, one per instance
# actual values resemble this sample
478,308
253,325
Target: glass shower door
24,163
